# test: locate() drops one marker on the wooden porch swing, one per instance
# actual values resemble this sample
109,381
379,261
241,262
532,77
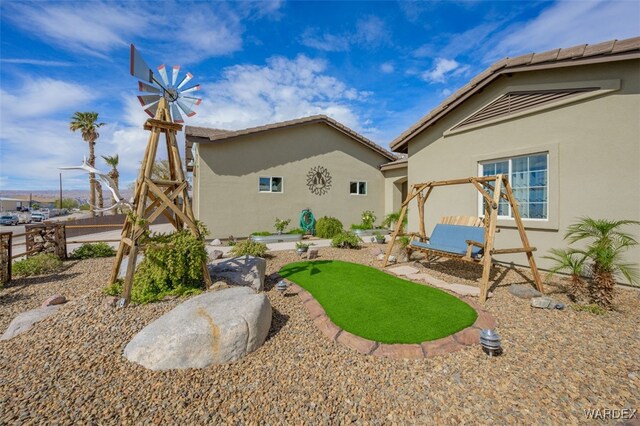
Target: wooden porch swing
456,241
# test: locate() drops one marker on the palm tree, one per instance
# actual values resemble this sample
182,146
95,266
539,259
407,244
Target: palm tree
605,251
573,263
113,173
87,123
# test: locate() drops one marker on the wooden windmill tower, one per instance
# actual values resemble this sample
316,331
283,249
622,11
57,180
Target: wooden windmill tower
155,197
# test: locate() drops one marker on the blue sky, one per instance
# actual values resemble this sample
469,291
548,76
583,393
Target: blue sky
375,66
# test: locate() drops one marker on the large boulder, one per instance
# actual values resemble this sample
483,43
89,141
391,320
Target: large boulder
247,271
213,328
25,321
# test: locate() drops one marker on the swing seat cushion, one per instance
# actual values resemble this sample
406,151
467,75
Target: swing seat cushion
453,239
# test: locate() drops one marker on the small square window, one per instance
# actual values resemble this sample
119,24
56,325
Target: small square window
358,188
270,184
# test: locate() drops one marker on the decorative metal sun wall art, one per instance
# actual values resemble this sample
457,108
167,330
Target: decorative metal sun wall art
319,180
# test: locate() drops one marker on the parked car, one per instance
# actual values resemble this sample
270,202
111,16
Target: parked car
45,213
37,217
9,220
24,217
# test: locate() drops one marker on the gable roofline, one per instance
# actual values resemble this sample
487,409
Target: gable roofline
216,135
609,51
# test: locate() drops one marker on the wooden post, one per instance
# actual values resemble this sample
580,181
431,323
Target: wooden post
5,257
523,235
490,233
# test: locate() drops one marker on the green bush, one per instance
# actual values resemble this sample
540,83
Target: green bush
36,265
296,231
328,227
89,251
261,233
345,240
249,247
172,265
359,226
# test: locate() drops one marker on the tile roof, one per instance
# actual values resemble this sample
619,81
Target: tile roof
602,52
215,135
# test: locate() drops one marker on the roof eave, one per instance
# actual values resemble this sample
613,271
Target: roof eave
401,143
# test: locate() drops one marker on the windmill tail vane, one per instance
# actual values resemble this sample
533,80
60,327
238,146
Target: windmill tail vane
157,85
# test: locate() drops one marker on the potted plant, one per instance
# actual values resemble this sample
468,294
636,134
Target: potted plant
281,225
302,247
378,237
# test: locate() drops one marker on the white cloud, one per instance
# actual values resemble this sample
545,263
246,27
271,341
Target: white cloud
197,31
92,28
41,97
370,32
37,62
387,67
283,89
569,23
443,69
326,42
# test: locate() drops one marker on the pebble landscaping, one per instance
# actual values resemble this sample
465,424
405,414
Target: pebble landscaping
70,369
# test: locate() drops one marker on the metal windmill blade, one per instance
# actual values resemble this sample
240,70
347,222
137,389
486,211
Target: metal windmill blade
160,86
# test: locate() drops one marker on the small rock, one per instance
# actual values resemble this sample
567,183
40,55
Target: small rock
56,299
25,321
312,254
392,259
110,302
632,375
524,291
546,303
219,285
216,254
216,242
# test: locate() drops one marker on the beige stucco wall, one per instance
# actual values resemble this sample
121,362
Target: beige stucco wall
226,174
593,145
393,180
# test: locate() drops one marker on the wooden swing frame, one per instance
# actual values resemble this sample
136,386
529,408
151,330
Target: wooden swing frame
499,185
155,197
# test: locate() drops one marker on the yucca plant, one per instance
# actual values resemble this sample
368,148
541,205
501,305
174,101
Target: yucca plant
605,248
573,263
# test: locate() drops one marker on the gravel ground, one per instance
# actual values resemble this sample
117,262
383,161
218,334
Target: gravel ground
69,369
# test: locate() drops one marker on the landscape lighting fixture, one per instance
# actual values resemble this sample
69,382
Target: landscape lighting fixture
281,287
490,341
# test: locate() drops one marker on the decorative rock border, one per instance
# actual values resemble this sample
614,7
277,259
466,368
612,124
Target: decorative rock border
466,337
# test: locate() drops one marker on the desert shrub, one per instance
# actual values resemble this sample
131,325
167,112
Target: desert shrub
328,227
368,219
261,233
281,224
89,251
345,240
172,265
248,247
355,226
39,264
591,308
296,231
392,219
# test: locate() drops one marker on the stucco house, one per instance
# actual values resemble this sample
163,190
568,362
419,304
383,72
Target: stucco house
243,180
563,124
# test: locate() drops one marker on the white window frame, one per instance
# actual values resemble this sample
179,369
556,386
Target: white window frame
270,191
509,160
358,182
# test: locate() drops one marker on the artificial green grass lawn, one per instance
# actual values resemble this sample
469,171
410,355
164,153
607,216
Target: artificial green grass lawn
377,306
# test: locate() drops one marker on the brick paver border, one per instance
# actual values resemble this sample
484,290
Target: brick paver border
463,338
